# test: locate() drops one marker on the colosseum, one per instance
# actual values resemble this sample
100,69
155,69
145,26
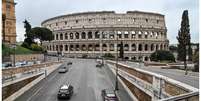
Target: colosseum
93,34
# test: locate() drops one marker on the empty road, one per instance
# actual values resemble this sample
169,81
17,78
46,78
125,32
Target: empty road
87,80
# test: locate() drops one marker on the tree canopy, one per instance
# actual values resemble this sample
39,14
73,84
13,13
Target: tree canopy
41,33
162,55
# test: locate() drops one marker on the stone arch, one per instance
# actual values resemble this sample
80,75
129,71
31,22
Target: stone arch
90,47
146,58
71,35
118,46
61,36
126,58
57,48
161,47
104,47
66,47
71,47
133,47
77,35
140,47
66,35
83,35
97,35
53,48
111,47
90,36
50,48
146,47
97,47
60,47
126,47
83,47
57,37
157,47
133,58
152,47
77,47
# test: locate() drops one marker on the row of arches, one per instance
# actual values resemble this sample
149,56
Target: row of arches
107,47
108,35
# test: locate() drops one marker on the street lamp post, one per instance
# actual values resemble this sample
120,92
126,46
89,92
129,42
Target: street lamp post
14,46
116,84
102,48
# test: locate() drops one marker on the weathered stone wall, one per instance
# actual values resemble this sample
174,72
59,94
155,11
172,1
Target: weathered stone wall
174,90
10,89
139,94
94,33
28,57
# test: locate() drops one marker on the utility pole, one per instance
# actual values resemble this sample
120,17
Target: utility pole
116,84
102,48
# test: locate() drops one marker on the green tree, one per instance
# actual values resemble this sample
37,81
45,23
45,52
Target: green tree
162,55
41,33
184,38
121,53
29,37
27,27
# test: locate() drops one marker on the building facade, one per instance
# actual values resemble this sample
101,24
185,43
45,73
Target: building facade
8,21
96,33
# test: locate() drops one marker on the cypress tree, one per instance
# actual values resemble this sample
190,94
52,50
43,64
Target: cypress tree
184,38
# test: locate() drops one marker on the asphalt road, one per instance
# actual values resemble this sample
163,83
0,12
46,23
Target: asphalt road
191,79
87,80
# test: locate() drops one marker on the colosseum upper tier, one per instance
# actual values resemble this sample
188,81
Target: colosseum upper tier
93,34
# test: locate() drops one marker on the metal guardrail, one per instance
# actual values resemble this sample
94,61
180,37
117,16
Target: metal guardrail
184,97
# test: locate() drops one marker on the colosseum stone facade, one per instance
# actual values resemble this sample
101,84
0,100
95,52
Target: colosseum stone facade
96,33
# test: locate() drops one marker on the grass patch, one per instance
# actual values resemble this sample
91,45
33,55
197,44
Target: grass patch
6,50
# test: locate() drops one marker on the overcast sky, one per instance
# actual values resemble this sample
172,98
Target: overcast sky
36,11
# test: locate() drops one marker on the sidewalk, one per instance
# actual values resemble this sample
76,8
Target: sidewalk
191,79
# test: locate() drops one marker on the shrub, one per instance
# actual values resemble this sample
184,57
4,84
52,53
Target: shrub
36,47
108,55
162,55
84,56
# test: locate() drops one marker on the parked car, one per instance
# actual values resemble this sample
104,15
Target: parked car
109,95
63,70
65,91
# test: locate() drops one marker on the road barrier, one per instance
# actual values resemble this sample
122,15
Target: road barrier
154,85
8,90
25,83
10,72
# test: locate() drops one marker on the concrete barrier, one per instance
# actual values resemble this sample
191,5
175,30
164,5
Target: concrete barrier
31,84
159,87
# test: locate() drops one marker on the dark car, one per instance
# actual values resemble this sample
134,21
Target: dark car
99,65
65,91
63,70
69,63
109,95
